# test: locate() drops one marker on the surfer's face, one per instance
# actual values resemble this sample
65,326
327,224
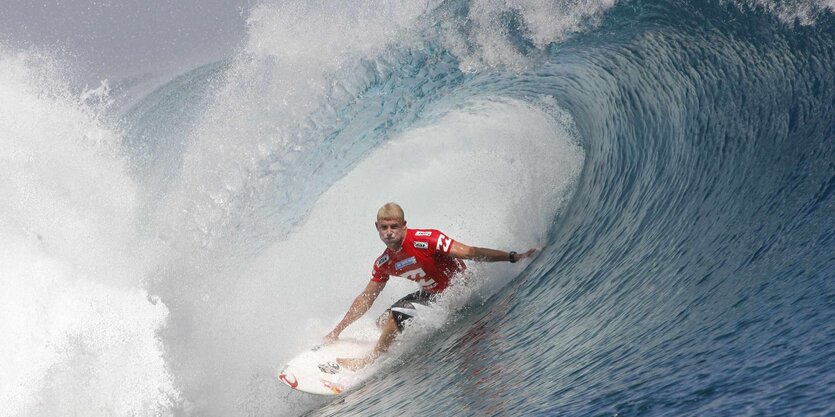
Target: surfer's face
391,232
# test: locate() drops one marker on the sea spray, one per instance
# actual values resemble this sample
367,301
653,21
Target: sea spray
80,330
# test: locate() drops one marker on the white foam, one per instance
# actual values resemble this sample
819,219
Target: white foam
486,44
325,33
79,331
283,75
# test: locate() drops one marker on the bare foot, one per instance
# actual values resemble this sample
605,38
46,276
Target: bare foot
354,364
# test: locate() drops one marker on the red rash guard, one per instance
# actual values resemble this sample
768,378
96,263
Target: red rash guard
424,258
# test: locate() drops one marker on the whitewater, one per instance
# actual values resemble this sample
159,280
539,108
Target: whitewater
168,241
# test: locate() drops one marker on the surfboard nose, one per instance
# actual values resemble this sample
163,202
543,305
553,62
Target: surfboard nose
289,379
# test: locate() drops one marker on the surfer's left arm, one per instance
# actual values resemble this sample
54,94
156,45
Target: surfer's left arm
462,251
358,308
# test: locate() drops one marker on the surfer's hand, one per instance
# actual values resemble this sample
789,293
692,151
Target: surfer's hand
526,254
331,337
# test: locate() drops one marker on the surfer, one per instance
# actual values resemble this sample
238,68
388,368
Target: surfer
426,256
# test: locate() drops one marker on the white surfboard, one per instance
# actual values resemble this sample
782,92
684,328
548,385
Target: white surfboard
316,372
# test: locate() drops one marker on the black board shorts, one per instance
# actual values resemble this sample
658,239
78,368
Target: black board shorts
404,309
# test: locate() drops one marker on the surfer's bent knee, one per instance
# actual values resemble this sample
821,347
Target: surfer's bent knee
383,319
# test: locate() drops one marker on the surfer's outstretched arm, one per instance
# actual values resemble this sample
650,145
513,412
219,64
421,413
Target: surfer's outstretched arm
360,306
462,251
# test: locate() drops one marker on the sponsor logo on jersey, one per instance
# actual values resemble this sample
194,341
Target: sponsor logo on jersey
404,263
443,243
416,275
424,233
382,260
427,283
422,245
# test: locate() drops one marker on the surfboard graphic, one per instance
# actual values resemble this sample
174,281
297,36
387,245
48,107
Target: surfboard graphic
315,371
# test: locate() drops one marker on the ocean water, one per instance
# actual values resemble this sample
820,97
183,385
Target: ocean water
164,253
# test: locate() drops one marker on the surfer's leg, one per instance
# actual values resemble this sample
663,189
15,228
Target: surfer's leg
381,321
390,331
399,313
396,317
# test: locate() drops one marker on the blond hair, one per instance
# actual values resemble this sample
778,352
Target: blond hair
390,211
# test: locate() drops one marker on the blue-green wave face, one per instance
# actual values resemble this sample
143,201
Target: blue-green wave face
673,162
